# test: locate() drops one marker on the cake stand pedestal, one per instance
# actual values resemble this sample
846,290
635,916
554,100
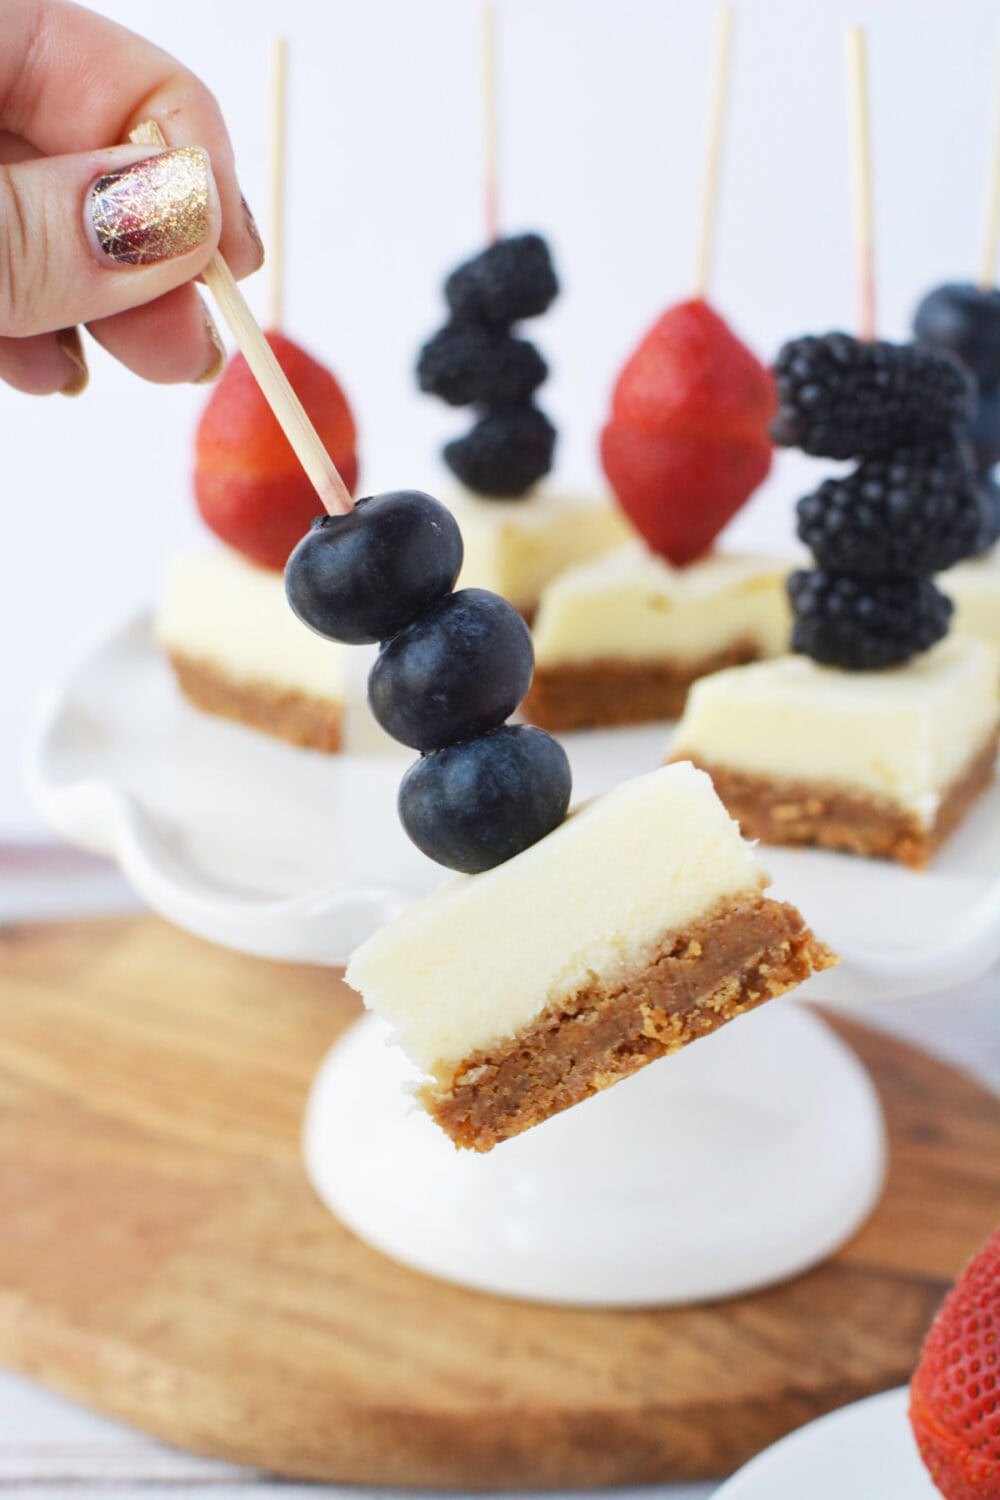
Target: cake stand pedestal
735,1164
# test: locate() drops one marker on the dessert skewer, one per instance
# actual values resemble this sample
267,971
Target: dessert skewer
620,640
483,797
866,741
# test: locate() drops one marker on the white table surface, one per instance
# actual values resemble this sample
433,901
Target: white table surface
49,1447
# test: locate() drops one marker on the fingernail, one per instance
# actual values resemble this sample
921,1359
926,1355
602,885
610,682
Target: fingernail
251,228
213,369
71,345
153,210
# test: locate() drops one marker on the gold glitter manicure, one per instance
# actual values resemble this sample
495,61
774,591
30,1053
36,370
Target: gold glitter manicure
153,210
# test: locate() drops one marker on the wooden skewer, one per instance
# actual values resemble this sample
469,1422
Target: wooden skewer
988,267
491,148
276,240
718,93
861,178
271,378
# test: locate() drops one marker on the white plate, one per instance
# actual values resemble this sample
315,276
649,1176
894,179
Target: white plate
290,854
862,1452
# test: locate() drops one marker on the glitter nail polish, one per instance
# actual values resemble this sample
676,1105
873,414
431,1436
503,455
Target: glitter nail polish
250,224
154,209
216,364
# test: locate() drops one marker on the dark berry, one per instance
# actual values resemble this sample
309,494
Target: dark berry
456,672
474,805
918,511
840,397
511,279
964,319
863,624
984,434
468,365
361,577
507,451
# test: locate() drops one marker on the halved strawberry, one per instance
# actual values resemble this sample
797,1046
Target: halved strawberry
955,1390
249,485
680,491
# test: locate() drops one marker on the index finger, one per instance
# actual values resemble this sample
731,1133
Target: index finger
71,80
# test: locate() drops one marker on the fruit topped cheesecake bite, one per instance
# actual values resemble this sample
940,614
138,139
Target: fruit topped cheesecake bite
517,537
568,952
621,639
879,735
223,620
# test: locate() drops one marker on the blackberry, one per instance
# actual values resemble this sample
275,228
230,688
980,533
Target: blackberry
472,366
840,397
917,511
511,279
862,624
508,450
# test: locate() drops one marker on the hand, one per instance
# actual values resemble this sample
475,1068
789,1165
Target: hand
100,233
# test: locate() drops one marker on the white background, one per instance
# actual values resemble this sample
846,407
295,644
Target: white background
601,127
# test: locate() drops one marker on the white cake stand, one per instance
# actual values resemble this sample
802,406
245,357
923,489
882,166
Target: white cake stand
741,1161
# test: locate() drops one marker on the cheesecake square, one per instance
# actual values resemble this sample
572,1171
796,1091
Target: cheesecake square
620,640
636,927
883,764
974,588
239,652
516,547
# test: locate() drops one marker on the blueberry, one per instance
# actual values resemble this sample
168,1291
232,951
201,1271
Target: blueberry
470,366
508,450
456,672
511,279
362,577
965,320
474,805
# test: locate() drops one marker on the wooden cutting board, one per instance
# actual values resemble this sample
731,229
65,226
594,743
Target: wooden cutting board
163,1259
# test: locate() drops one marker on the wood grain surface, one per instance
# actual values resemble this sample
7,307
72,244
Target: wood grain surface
163,1259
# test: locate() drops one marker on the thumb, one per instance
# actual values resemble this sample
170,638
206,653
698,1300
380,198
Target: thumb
85,237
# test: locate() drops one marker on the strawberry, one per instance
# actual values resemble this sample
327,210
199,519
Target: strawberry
678,491
249,485
690,374
955,1390
687,442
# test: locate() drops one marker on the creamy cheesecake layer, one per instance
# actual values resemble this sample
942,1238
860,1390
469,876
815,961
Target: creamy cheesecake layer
904,736
631,605
485,954
515,547
219,610
975,588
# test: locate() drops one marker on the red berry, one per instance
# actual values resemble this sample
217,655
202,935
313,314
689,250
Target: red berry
680,491
692,375
687,443
955,1390
249,485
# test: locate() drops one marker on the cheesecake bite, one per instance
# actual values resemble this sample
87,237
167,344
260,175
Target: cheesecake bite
621,639
878,736
638,925
883,764
223,621
517,547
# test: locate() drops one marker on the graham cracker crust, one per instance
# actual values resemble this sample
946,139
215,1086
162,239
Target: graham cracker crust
292,716
693,982
831,817
590,694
